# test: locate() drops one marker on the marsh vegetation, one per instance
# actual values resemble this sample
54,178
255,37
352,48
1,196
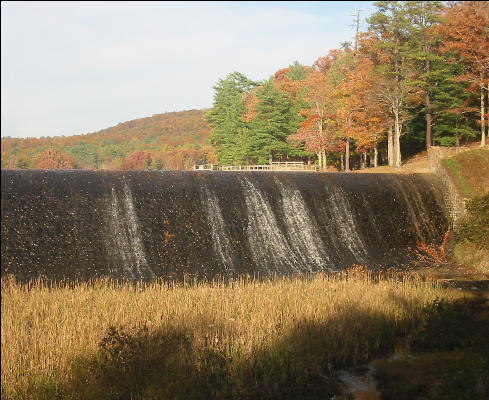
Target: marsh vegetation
283,337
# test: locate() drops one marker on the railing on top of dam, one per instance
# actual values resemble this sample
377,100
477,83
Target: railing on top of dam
274,166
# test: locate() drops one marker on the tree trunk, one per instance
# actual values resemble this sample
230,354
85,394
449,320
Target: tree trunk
428,117
429,139
397,142
363,160
342,166
390,147
347,155
325,161
483,117
376,156
319,160
270,158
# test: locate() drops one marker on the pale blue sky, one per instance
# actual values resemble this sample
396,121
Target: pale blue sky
78,67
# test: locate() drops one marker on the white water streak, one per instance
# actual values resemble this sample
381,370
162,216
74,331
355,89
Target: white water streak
343,220
301,228
268,244
124,227
220,235
117,234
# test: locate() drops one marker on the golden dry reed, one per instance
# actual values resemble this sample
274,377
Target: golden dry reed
44,328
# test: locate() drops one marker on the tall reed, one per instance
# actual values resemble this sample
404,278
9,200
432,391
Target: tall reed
265,333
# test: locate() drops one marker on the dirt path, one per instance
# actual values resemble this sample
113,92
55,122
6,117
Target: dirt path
415,164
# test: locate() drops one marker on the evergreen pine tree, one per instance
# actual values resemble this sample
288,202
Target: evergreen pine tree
455,117
271,126
229,131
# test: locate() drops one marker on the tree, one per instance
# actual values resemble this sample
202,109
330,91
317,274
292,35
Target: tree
465,30
453,108
359,116
53,159
108,148
392,28
424,43
366,113
297,72
318,129
86,154
272,124
334,67
292,81
138,160
229,129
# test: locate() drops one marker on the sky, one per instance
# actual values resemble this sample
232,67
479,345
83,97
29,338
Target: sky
78,67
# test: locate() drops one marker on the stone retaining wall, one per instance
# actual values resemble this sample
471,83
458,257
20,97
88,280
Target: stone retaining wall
454,201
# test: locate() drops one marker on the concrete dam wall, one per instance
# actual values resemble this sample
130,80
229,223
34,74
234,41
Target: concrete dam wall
139,225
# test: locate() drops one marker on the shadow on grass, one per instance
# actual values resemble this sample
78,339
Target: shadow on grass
141,363
452,355
300,362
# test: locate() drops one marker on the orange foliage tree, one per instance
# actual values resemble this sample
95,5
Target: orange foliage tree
360,116
53,159
466,32
318,128
138,160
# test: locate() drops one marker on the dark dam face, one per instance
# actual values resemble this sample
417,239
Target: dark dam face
139,225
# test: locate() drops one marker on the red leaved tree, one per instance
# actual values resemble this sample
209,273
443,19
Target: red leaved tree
53,159
138,160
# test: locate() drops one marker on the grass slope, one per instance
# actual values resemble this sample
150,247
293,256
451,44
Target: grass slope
469,171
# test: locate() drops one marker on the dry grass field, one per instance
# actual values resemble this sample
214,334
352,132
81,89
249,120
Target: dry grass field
277,338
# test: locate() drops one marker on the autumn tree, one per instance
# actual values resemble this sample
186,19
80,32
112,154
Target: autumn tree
138,160
392,28
368,115
53,159
465,30
333,67
318,129
292,81
326,63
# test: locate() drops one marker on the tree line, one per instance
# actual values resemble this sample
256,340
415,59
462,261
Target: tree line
175,140
418,76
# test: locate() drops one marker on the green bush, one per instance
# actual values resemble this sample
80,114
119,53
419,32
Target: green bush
454,375
474,227
461,324
132,360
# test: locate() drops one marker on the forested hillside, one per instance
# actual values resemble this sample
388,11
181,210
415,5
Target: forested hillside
173,140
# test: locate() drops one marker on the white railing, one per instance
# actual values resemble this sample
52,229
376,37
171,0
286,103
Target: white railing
274,166
206,167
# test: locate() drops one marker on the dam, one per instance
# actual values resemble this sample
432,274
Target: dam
142,225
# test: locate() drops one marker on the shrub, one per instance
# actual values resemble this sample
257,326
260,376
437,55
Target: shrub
474,228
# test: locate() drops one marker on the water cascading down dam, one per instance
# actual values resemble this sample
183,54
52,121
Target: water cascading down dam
139,225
